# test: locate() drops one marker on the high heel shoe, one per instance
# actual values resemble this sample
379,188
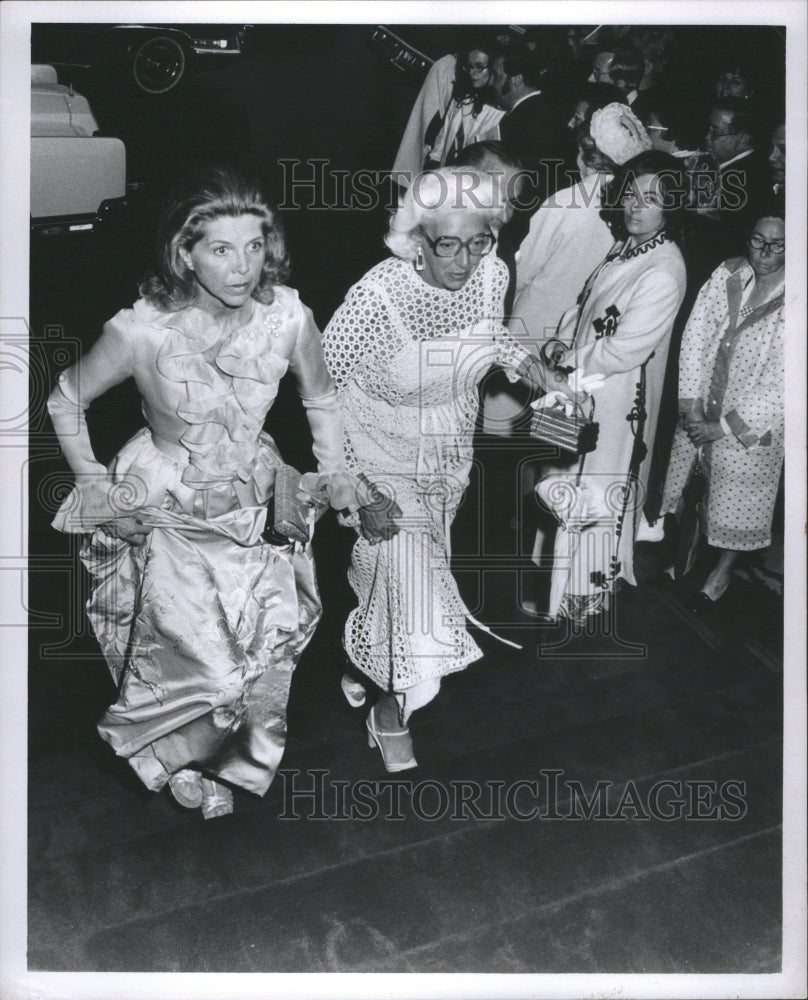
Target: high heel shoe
375,739
701,603
353,690
217,800
186,787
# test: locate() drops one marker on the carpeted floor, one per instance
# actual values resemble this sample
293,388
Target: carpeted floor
673,716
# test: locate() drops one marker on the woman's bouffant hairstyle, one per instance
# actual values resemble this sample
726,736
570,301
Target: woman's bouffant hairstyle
436,194
673,191
210,193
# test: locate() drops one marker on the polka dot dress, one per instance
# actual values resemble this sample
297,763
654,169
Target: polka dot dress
743,467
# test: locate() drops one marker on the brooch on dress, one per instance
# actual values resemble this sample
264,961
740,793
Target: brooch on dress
273,321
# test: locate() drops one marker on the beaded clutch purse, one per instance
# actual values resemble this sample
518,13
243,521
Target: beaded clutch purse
286,519
576,432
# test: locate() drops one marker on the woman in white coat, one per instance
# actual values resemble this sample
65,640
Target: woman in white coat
620,330
567,240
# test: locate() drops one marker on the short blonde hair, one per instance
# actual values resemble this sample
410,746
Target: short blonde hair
434,195
210,193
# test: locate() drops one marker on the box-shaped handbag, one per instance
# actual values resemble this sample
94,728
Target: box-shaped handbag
576,432
286,518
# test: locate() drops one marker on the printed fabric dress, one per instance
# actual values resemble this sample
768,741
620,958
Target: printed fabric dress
202,624
733,362
621,329
407,359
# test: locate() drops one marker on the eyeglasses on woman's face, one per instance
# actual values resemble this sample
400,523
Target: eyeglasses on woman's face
450,246
476,67
773,246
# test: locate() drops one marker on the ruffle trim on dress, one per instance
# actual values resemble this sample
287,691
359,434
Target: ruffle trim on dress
227,395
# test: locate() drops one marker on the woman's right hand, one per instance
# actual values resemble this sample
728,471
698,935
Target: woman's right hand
129,529
560,383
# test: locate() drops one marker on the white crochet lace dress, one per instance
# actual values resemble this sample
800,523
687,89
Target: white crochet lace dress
407,359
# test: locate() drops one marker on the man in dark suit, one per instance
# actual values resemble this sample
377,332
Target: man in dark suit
533,129
626,70
743,177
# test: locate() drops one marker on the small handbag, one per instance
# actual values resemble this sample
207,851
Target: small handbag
576,432
286,517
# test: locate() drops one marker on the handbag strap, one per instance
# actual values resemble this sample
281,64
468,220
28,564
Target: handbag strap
638,418
589,286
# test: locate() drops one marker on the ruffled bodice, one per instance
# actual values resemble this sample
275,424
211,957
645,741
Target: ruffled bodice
205,397
225,397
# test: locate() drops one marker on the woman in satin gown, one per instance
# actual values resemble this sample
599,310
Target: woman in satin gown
200,619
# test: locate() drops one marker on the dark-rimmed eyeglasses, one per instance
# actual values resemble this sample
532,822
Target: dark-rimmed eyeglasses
450,246
713,132
774,246
476,67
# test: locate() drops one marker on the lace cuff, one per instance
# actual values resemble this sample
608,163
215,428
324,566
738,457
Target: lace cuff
510,355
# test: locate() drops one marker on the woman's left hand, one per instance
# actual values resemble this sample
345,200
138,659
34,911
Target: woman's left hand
378,515
704,431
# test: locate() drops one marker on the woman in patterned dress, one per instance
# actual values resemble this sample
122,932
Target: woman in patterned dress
731,402
201,621
407,351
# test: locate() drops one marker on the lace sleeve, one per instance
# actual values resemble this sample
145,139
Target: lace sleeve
508,352
358,330
511,356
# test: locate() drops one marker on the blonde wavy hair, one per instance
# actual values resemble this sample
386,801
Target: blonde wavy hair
436,194
210,193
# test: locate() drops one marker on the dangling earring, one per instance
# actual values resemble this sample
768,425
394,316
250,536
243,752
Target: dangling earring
419,259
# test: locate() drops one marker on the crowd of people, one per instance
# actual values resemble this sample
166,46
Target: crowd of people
567,244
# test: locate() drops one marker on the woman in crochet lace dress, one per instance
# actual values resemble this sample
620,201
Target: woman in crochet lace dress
200,620
407,351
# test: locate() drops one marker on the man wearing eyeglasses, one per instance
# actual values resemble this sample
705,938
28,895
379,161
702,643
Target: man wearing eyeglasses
742,174
532,129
